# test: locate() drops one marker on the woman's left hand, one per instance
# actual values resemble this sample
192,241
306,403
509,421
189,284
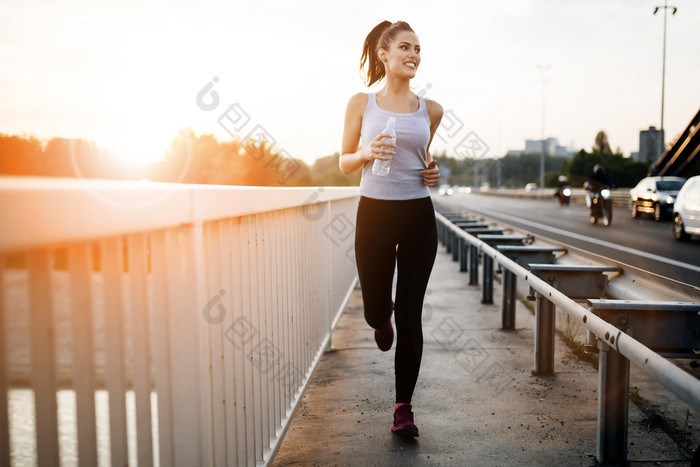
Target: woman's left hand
431,175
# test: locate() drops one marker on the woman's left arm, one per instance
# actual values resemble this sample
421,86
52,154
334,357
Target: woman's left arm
431,174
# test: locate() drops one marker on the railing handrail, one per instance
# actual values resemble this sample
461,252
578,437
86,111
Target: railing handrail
219,300
70,209
674,378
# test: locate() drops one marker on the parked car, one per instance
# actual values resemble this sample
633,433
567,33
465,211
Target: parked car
686,210
655,196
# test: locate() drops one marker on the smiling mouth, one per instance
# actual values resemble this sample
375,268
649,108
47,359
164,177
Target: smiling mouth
411,65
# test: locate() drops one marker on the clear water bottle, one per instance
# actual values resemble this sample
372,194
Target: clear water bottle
381,168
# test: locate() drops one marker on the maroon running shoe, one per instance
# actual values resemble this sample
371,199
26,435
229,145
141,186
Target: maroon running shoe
384,336
403,422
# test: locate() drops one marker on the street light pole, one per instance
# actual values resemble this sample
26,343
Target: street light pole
663,69
544,68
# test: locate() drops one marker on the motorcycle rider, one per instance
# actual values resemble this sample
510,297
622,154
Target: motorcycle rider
563,182
597,182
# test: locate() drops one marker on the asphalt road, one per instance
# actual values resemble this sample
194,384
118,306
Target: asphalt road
643,243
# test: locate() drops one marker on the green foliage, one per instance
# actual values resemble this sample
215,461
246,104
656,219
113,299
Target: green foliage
190,159
59,157
601,144
203,159
326,172
623,171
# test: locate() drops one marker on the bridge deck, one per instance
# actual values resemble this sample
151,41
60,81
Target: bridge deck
476,403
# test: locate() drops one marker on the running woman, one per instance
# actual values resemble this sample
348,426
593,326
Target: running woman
395,217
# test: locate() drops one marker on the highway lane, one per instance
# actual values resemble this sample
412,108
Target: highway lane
643,243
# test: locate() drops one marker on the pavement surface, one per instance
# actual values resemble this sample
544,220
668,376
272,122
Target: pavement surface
477,402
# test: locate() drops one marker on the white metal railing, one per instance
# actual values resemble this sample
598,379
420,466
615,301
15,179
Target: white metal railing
207,306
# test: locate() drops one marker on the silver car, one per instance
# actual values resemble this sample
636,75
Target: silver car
686,210
655,196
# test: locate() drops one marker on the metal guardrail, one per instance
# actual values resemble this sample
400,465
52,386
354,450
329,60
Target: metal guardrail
616,347
620,196
209,305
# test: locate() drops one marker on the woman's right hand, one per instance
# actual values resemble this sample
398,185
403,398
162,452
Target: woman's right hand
380,148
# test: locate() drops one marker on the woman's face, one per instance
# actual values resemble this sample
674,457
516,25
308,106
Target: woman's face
403,57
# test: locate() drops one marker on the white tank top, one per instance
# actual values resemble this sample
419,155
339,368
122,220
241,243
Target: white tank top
412,136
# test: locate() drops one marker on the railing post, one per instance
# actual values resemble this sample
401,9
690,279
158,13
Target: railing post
329,276
43,354
448,240
613,405
4,383
83,353
544,335
487,286
455,246
508,302
190,432
473,265
111,255
161,348
462,254
140,338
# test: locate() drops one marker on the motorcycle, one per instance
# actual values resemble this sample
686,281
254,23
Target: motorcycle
599,202
563,194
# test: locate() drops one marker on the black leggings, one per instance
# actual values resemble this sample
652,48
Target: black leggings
382,226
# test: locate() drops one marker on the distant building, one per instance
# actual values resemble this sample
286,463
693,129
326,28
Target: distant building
551,148
650,145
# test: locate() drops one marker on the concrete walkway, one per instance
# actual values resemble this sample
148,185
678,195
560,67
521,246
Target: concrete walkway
477,402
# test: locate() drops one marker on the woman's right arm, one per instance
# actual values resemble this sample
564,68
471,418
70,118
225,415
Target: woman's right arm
351,158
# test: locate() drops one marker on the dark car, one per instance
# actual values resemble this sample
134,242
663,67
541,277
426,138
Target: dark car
655,196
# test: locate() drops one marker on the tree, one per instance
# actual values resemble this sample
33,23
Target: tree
624,171
601,144
326,172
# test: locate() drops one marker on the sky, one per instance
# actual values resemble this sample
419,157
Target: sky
129,75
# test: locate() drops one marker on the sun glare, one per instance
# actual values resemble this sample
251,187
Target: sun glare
137,149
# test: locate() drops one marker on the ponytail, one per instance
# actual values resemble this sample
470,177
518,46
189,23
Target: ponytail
380,37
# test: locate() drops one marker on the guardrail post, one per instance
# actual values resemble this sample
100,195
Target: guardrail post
613,405
473,265
448,240
455,246
544,335
493,240
462,255
487,286
523,255
508,302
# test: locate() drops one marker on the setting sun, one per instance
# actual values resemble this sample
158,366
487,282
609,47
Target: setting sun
139,149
